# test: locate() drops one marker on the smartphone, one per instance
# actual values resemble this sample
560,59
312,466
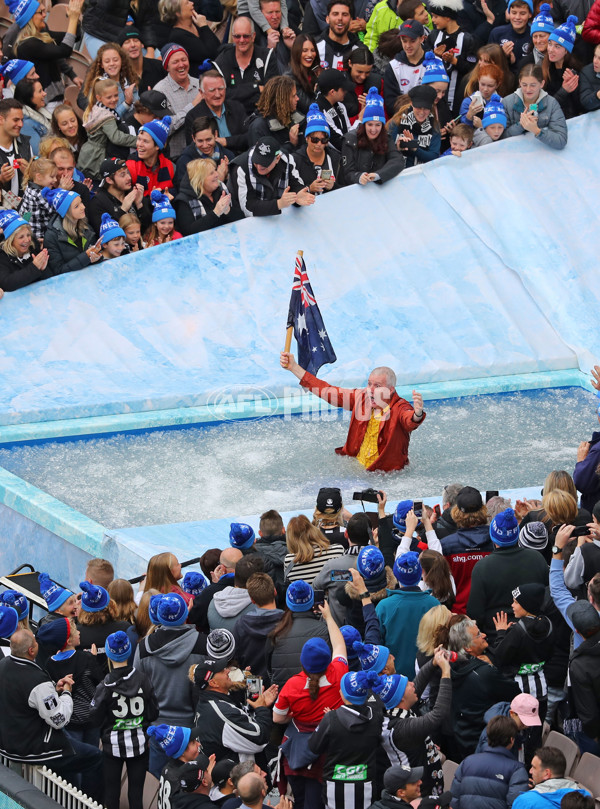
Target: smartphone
418,508
319,600
580,531
491,493
478,98
326,174
340,575
254,687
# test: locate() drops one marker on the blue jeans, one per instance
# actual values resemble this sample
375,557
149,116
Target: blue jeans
92,44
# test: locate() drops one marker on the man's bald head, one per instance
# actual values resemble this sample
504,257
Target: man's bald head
252,789
230,557
23,644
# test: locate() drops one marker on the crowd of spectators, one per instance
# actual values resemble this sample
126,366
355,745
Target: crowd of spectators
339,660
196,114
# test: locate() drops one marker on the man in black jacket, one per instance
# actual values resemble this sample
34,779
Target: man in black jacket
336,42
117,195
401,786
15,151
251,630
584,673
229,114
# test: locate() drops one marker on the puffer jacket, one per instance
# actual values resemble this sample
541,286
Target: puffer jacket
356,161
105,19
591,26
105,139
283,656
551,119
488,780
65,254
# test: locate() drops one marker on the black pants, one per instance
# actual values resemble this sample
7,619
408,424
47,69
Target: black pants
308,792
136,775
85,761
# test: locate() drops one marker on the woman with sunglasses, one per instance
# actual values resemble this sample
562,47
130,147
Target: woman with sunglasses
316,160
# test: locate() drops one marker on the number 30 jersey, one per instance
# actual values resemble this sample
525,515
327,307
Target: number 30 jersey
123,706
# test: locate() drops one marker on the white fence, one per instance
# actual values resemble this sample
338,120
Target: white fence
52,785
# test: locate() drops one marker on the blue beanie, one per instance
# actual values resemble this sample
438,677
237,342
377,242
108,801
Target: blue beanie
16,69
117,646
407,569
241,536
370,562
390,688
9,222
543,21
22,10
162,206
494,112
10,598
355,686
433,69
504,528
158,129
374,107
53,594
565,34
93,598
9,621
529,3
315,120
153,608
172,610
300,596
351,636
194,583
315,656
59,198
55,634
371,657
171,738
109,229
399,517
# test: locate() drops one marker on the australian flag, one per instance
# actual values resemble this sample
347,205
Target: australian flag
314,346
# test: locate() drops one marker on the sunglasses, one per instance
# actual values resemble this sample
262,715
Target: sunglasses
318,140
241,36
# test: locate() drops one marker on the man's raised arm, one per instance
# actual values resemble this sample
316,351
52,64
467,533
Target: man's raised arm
338,397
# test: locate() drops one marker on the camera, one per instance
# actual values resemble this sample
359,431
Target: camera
367,495
254,687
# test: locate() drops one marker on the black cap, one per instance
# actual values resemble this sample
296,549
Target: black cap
129,32
412,29
221,772
191,773
329,501
206,669
397,777
468,500
423,96
110,166
156,102
331,79
265,151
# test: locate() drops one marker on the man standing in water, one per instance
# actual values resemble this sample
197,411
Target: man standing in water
381,422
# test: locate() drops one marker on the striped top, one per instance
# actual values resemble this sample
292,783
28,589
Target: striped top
309,570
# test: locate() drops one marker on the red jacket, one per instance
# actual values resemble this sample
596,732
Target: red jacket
394,433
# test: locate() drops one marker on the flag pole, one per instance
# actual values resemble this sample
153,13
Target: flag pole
290,330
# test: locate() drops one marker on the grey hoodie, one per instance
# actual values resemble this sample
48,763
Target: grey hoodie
227,606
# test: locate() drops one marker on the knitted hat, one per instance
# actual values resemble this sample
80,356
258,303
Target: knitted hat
351,636
529,3
422,96
407,569
9,621
533,535
191,774
194,583
390,688
172,610
370,563
220,644
109,229
374,107
543,21
22,10
565,34
129,32
117,646
241,536
53,594
9,222
162,206
171,738
300,596
93,598
158,129
16,69
433,69
315,656
316,122
530,597
10,598
399,516
445,8
493,112
55,634
206,65
59,198
355,686
153,608
504,528
206,668
371,657
169,50
329,501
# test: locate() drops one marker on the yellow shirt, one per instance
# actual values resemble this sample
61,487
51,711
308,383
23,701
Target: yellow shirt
369,451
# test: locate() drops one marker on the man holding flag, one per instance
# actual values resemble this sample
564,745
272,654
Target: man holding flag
381,422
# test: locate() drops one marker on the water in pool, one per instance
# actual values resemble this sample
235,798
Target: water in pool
498,441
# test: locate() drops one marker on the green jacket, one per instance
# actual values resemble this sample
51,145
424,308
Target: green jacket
383,19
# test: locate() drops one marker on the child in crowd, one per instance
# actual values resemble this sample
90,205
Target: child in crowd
18,266
107,134
561,68
515,38
162,229
541,28
41,173
490,78
493,123
414,127
133,233
531,109
123,706
414,10
11,598
461,139
112,237
455,47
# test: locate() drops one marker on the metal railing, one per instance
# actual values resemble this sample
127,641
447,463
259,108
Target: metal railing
52,785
